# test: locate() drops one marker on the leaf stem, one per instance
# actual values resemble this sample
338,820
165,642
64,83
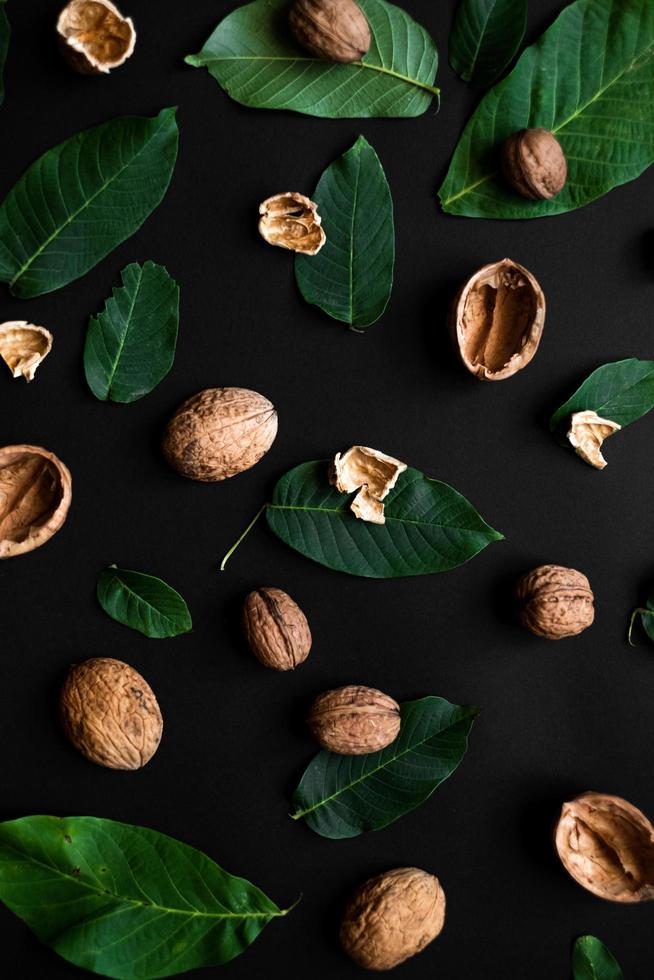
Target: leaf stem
244,535
638,611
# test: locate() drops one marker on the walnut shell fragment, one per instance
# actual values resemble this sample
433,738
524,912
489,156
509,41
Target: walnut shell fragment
534,164
94,36
392,917
354,720
109,712
335,30
23,346
555,602
497,319
607,846
35,494
276,629
586,434
291,221
372,473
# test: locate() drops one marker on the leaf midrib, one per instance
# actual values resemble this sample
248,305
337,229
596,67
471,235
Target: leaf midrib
399,520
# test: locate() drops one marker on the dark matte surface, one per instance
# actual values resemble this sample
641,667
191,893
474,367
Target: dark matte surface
556,719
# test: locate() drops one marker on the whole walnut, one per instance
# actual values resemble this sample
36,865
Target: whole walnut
354,720
555,602
392,917
219,432
335,30
534,164
276,629
109,712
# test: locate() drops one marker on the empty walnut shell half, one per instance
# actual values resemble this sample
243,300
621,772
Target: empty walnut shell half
354,720
607,846
35,494
291,221
94,36
276,629
555,602
496,320
23,346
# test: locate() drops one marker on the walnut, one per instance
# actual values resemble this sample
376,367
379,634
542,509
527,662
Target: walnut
23,346
555,602
370,472
109,712
291,221
607,846
35,494
219,432
586,434
335,30
533,164
276,629
392,917
94,36
496,320
354,720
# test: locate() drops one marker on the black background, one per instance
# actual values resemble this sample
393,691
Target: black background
557,718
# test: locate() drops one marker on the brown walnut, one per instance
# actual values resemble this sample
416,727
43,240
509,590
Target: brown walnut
335,30
276,629
354,720
392,917
534,164
219,432
109,712
35,495
290,220
555,602
23,346
94,37
607,846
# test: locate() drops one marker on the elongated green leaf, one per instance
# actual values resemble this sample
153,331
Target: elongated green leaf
130,346
591,960
621,391
125,901
429,526
343,795
485,37
590,80
254,57
352,275
83,198
5,32
143,603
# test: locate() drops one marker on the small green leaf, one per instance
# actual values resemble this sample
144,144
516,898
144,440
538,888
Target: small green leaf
646,614
485,37
5,33
352,275
343,795
143,603
621,392
591,960
130,346
124,901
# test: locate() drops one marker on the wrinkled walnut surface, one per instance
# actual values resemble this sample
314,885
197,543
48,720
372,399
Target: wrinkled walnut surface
354,720
276,629
94,36
35,494
586,434
23,346
555,602
335,30
533,164
372,473
291,221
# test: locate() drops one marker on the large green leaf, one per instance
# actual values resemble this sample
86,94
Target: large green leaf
5,32
125,901
352,275
343,795
83,198
621,391
590,80
143,603
254,57
591,960
429,526
130,346
485,37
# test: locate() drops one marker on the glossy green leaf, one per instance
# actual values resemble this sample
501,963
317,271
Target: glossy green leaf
130,346
591,960
125,901
254,57
351,277
143,603
429,526
485,37
621,391
646,615
590,80
5,32
343,795
83,198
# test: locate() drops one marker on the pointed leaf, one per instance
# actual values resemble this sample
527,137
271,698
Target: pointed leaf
621,391
591,960
485,37
143,603
5,32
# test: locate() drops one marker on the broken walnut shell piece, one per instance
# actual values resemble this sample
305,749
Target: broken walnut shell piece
291,221
35,495
496,320
276,629
94,36
586,434
354,720
372,473
607,845
23,346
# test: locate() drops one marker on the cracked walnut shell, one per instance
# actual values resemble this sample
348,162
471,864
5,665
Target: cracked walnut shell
354,720
533,164
291,221
276,629
586,434
94,36
372,473
23,346
555,602
335,30
35,495
109,712
392,917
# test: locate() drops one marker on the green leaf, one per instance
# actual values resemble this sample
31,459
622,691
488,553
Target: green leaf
130,346
143,603
125,901
343,795
352,275
591,960
646,614
590,80
621,391
485,37
254,57
429,526
83,198
5,33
